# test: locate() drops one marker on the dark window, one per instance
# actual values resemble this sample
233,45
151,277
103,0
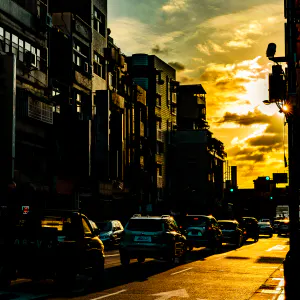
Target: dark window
144,225
86,228
195,221
228,225
104,226
99,22
99,65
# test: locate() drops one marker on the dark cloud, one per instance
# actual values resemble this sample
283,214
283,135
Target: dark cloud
177,66
265,140
256,157
157,50
255,117
230,84
185,79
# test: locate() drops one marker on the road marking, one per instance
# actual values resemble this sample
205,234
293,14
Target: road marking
112,255
276,248
109,295
182,271
167,295
264,267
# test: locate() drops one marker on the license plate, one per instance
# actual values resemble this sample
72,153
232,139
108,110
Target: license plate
141,238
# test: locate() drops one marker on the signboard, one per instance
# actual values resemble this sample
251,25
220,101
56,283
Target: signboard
280,178
25,209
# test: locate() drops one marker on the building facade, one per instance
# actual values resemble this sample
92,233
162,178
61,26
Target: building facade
28,130
197,169
159,80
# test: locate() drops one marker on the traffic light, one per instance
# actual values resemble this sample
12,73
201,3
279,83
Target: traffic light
271,197
267,177
231,190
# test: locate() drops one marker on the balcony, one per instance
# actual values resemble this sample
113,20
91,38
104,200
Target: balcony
158,158
174,98
159,181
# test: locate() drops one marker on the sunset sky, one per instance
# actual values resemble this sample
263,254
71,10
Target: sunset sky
220,44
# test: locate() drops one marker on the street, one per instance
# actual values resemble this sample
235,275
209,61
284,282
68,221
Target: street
232,274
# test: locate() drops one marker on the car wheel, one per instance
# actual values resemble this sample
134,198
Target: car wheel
271,235
190,248
256,239
98,268
239,242
183,255
214,245
140,259
170,258
4,279
124,258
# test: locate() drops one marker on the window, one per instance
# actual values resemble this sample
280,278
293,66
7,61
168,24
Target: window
158,124
78,103
15,46
99,64
173,110
7,41
169,93
1,34
21,50
99,21
86,228
80,54
159,170
158,101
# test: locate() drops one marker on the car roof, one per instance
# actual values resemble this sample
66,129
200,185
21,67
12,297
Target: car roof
150,217
228,221
202,216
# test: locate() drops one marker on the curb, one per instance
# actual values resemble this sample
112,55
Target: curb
272,288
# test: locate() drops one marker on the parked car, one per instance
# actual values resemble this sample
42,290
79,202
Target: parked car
202,231
264,220
51,244
111,232
152,237
283,227
276,225
232,232
265,228
250,226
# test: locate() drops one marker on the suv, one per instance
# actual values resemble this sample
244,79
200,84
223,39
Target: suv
250,226
152,237
110,232
202,231
51,244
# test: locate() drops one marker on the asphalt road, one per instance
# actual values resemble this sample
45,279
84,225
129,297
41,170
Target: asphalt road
234,274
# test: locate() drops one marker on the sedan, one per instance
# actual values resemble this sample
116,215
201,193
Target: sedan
232,232
265,228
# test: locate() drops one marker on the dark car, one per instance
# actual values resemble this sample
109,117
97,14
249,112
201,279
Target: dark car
265,228
110,232
202,231
152,237
250,226
283,227
232,232
52,244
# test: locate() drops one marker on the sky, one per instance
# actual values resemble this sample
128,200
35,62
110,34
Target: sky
220,44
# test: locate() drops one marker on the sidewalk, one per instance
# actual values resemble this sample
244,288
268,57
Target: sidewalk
273,288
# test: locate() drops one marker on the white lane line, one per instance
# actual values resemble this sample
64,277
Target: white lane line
109,255
182,271
109,295
277,247
264,267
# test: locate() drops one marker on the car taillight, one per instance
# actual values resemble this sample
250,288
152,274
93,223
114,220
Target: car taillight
245,232
209,228
180,226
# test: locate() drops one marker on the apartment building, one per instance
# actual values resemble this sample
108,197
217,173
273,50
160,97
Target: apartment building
159,80
197,179
27,121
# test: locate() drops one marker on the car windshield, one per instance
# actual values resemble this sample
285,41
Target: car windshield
191,221
148,225
264,224
227,225
104,226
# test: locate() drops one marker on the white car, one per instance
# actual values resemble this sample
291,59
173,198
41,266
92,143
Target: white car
265,220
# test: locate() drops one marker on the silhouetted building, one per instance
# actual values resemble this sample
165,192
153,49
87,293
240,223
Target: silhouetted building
159,80
197,171
27,107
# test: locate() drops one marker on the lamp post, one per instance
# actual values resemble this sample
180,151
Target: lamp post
290,107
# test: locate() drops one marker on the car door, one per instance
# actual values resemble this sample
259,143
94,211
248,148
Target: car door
91,243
